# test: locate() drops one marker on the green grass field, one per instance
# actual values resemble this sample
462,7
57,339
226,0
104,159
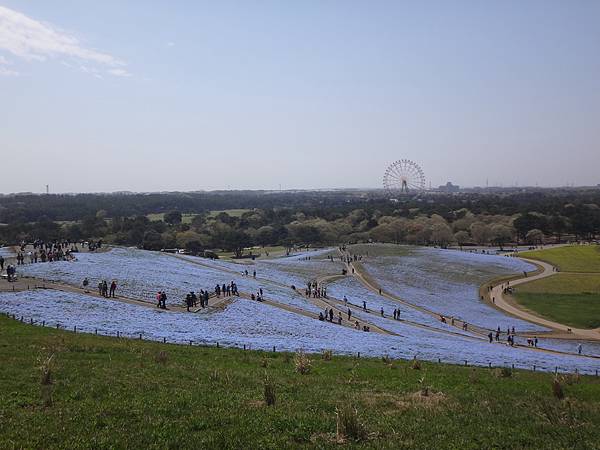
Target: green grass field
230,212
185,218
569,298
573,258
114,393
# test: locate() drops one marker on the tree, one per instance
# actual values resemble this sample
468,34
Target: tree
501,234
480,232
534,236
461,237
172,218
236,242
441,234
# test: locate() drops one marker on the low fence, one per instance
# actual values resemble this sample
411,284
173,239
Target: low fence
163,340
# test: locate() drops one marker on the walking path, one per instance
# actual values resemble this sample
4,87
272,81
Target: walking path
547,270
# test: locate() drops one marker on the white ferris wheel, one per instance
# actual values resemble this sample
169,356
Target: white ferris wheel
404,176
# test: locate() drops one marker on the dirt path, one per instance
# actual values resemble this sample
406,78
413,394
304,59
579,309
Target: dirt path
564,331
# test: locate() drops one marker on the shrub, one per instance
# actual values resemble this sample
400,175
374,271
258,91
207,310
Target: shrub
302,362
161,357
264,362
415,364
557,389
503,372
348,425
269,392
327,355
46,381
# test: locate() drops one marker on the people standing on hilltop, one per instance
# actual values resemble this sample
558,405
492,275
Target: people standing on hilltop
1,263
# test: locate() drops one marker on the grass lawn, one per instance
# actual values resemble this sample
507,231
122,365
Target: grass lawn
185,218
573,258
569,298
115,393
230,212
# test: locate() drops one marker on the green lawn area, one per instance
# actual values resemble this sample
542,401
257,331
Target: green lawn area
185,218
572,258
117,393
230,212
569,298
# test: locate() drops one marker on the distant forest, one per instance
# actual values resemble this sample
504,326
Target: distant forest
204,221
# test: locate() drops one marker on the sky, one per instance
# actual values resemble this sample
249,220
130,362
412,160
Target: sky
148,95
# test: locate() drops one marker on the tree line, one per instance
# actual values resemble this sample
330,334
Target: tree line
304,218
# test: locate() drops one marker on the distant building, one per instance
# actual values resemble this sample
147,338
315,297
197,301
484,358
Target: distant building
449,187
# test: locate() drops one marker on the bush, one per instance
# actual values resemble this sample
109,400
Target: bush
302,362
415,364
348,425
161,357
557,389
269,392
46,381
327,355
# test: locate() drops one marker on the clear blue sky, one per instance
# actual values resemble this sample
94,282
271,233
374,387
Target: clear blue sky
183,95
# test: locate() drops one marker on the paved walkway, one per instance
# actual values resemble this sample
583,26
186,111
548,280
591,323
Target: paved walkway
548,270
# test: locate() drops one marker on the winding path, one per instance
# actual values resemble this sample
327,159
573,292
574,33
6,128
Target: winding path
501,302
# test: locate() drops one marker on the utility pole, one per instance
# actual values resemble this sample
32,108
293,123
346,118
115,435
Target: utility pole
47,189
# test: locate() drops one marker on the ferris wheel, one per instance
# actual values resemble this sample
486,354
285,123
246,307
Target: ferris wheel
404,176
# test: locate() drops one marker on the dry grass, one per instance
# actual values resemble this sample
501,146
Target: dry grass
557,389
348,425
415,364
302,363
269,392
502,372
161,357
46,380
327,355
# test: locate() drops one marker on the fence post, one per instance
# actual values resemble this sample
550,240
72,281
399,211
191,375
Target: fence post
244,346
140,336
513,366
57,326
190,342
117,334
31,321
217,344
490,365
75,329
465,363
534,367
43,323
96,331
273,349
164,340
555,370
439,360
358,355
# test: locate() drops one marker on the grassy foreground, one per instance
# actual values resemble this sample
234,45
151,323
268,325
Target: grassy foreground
569,298
74,391
571,258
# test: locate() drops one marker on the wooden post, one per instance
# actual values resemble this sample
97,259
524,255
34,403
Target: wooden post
555,370
490,365
244,346
358,355
96,331
273,349
190,342
57,326
465,363
164,340
117,334
31,321
513,366
217,344
140,336
43,323
534,367
75,329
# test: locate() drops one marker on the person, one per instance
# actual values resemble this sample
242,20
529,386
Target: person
345,301
379,291
498,334
382,314
188,301
579,348
490,337
254,274
113,288
535,341
100,288
163,300
339,317
364,305
349,313
331,315
321,318
86,283
1,263
158,299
